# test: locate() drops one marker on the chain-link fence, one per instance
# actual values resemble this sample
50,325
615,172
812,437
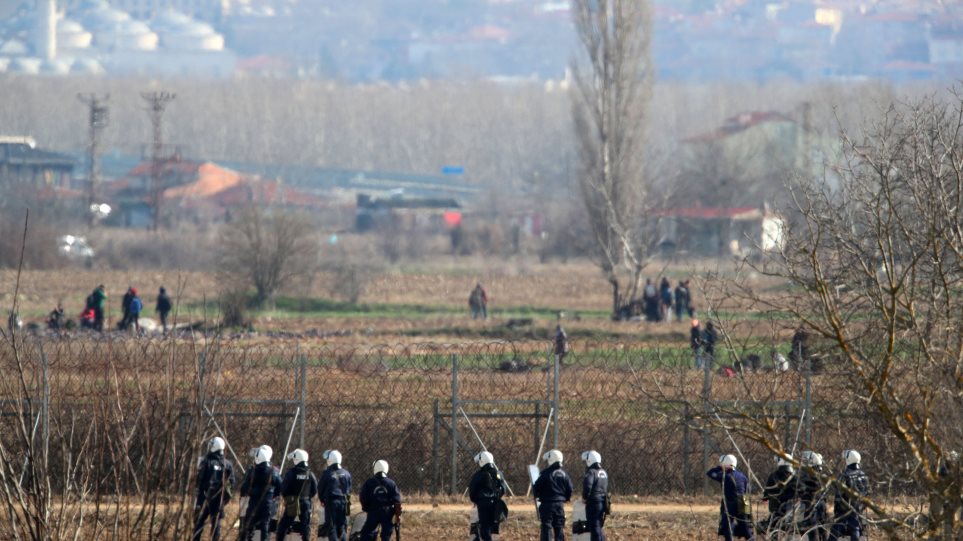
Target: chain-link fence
425,408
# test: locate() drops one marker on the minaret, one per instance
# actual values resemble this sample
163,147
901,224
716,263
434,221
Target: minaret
46,37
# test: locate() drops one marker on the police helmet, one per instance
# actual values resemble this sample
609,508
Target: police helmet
553,456
851,457
334,457
380,466
217,444
299,456
728,461
591,457
484,458
264,454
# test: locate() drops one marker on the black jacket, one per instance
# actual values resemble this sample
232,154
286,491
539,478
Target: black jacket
486,485
780,488
163,303
553,485
261,485
215,478
335,484
846,503
595,485
300,481
379,492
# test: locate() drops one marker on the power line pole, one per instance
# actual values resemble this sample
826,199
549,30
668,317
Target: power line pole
156,103
98,119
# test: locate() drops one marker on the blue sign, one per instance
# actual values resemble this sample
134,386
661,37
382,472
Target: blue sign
453,170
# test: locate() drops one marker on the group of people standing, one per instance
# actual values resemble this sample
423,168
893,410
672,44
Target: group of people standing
810,487
264,489
552,489
658,302
93,315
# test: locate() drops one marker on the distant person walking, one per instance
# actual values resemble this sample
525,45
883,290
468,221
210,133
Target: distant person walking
650,298
163,307
134,308
681,299
125,308
96,302
478,302
689,306
709,339
665,296
695,342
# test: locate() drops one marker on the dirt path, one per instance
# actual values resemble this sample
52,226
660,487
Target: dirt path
644,509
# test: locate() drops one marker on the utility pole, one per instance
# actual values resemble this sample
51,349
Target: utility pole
98,119
156,103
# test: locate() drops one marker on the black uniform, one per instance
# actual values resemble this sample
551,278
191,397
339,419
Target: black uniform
125,308
552,488
381,500
595,486
164,306
261,486
215,481
780,491
485,490
333,491
847,507
299,487
812,496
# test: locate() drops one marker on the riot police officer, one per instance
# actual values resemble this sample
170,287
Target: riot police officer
215,481
381,500
812,496
780,493
298,488
334,491
261,486
485,490
852,485
552,489
735,515
595,490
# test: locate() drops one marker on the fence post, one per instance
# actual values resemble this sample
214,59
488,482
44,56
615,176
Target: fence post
303,383
435,470
809,402
707,363
556,401
537,432
686,470
454,424
45,408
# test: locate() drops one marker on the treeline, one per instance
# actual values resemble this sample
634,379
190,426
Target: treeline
506,137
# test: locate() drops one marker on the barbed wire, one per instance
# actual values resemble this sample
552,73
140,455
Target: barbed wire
642,407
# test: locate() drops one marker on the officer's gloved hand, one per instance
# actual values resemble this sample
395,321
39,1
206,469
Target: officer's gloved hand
398,510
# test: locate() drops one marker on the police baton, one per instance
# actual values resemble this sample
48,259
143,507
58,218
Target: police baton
397,527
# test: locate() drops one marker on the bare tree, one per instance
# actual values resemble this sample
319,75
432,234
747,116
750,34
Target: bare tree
613,83
875,261
268,250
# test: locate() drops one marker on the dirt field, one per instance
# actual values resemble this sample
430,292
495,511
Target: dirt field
399,305
628,522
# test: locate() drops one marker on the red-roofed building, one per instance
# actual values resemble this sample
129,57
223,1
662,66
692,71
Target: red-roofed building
714,231
200,192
